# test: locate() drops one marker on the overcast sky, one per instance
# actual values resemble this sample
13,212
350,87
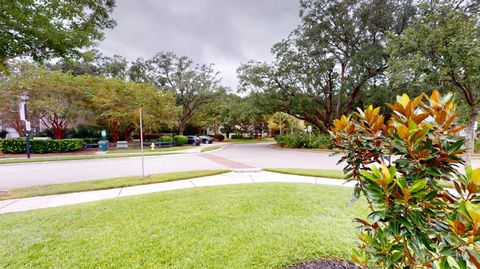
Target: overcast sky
223,32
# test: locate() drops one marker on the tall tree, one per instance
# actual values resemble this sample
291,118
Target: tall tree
51,28
194,85
116,104
337,51
442,49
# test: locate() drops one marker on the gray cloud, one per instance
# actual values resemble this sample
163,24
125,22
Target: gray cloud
223,32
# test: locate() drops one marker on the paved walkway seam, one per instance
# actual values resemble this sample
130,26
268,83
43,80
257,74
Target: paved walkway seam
9,203
120,192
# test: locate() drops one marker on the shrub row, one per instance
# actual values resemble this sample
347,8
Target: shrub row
180,140
236,136
18,145
166,139
303,140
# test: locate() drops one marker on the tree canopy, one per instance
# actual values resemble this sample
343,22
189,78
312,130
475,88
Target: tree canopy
45,29
441,50
336,52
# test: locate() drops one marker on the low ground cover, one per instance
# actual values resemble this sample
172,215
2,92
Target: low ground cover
148,149
103,184
248,141
240,226
210,148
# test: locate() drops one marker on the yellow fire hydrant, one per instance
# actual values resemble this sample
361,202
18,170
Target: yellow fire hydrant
152,146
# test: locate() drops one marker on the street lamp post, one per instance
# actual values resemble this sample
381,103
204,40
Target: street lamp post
24,117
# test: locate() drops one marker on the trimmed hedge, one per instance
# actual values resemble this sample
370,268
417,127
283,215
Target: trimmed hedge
166,139
180,140
18,145
303,140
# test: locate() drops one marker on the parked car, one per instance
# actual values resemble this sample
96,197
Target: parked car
190,139
206,139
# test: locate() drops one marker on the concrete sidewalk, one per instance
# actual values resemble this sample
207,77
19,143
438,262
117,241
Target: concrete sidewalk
246,176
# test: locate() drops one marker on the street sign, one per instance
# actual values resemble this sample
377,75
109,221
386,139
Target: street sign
21,109
28,127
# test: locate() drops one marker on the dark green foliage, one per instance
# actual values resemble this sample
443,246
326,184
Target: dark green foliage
302,140
237,136
166,138
45,29
18,145
90,140
180,140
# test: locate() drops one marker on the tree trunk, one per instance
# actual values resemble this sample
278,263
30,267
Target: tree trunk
114,131
471,133
180,130
58,132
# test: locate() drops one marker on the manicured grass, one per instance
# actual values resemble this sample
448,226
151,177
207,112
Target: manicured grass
148,150
237,226
210,148
103,184
249,141
80,157
308,172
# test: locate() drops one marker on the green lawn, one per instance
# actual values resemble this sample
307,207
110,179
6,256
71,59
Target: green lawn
103,184
210,148
308,172
239,226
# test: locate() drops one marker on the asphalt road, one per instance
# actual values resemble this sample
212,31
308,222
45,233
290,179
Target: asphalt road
232,156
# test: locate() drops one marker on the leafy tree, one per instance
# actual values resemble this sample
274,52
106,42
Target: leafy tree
194,85
441,49
116,104
336,52
51,28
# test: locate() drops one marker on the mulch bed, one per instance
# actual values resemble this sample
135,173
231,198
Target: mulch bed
324,264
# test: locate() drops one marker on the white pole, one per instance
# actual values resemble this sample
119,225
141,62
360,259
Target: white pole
141,143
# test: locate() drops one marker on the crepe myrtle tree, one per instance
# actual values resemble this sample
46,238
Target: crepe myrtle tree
55,98
415,220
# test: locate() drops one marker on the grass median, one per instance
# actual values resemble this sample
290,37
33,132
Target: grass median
239,226
249,141
108,155
103,184
308,172
207,149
